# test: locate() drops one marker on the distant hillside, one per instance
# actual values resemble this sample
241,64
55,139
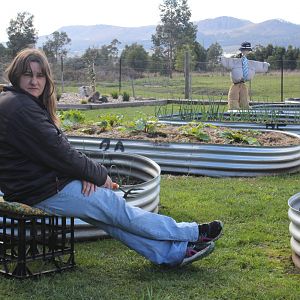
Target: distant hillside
227,31
97,35
229,34
220,25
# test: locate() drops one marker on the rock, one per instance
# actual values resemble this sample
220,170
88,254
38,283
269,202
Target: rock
94,97
84,91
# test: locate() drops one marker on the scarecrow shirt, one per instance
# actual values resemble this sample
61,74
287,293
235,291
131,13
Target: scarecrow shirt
235,65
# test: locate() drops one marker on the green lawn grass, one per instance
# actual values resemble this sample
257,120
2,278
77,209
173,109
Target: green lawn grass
251,261
129,113
132,113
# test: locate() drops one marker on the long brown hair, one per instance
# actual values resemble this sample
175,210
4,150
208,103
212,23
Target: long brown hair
20,65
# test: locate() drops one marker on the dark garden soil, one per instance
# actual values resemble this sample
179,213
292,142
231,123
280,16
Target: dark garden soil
172,134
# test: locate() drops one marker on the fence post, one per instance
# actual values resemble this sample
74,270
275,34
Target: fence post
187,75
281,80
132,86
62,72
120,74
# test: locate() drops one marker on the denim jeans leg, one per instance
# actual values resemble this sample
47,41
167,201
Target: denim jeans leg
157,237
107,207
158,252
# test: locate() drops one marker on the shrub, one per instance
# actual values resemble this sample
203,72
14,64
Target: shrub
112,119
58,96
71,117
126,96
147,124
115,95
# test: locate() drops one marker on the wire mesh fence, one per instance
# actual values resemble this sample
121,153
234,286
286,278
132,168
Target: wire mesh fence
207,81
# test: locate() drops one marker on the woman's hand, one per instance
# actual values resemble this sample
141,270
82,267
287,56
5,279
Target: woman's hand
88,188
108,183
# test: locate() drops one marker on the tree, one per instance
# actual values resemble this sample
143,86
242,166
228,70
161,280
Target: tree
174,31
213,53
180,58
4,58
291,57
136,57
108,54
278,56
4,53
55,47
157,63
200,57
21,33
113,50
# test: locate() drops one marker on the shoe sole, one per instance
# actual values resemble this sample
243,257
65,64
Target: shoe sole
201,254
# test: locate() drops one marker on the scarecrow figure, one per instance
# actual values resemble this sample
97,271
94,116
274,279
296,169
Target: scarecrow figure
242,70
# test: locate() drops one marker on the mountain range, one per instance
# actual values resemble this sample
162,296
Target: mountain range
229,32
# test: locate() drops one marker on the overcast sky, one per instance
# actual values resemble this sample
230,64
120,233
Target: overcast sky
51,15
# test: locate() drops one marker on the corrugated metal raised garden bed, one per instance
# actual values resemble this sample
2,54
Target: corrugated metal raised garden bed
139,178
203,158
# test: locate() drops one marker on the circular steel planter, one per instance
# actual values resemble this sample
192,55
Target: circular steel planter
202,159
139,168
145,170
294,227
296,259
287,127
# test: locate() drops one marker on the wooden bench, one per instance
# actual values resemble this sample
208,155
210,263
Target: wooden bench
32,242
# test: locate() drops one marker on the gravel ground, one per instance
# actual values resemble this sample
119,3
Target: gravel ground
75,98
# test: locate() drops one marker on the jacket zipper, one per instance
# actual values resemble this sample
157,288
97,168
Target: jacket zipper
57,182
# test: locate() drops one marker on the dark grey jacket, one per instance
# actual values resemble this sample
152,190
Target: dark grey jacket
36,159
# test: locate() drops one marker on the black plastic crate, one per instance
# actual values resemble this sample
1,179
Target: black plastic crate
32,245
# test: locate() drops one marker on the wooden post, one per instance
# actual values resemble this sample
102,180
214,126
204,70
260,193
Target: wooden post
62,73
281,78
187,75
120,75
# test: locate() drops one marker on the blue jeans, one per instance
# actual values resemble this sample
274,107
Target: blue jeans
157,237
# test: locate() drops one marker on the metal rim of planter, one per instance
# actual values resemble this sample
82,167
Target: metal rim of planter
296,259
142,168
294,227
137,166
203,159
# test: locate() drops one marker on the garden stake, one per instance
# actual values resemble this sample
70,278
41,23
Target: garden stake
127,194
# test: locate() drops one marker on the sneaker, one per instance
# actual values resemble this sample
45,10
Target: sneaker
197,251
210,231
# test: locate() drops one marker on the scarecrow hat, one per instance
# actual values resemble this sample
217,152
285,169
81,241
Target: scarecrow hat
246,46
